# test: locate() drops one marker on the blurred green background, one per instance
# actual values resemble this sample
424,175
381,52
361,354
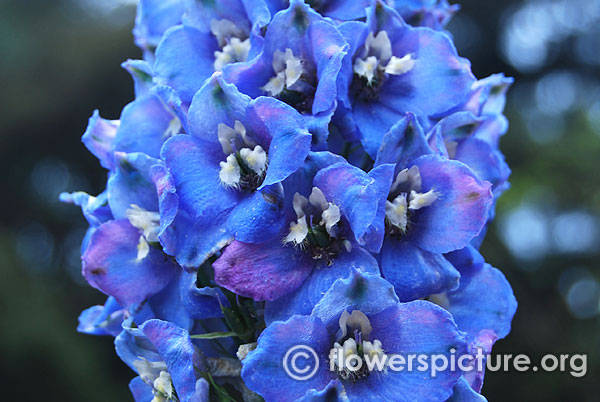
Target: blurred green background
60,60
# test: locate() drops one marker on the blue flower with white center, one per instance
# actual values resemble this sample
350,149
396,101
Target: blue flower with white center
393,68
332,211
359,315
222,182
213,35
434,206
298,65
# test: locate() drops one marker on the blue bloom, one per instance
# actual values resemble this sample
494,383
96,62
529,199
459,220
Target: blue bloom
223,180
357,313
213,35
299,65
434,206
335,209
393,68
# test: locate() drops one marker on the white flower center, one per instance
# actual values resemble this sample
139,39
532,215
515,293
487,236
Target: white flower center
146,221
288,70
406,196
246,164
377,59
233,42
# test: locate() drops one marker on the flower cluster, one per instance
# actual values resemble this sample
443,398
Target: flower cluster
315,172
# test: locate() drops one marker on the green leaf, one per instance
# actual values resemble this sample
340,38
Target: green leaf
213,335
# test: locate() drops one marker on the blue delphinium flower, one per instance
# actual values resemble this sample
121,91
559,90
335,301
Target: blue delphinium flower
302,172
359,313
299,65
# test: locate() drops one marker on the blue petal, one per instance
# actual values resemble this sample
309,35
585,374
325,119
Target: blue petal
368,293
154,17
197,228
102,320
264,271
215,103
132,184
415,273
263,370
176,349
141,72
484,300
289,138
95,209
258,217
344,10
318,283
145,125
141,391
360,197
99,138
185,59
404,143
428,13
111,264
464,393
460,211
333,392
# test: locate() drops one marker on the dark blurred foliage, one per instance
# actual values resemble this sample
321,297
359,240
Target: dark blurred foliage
61,60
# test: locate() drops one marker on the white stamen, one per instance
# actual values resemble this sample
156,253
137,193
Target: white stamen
149,371
233,52
373,349
142,249
276,85
356,320
317,198
420,200
379,46
366,68
230,173
409,179
441,299
398,66
288,70
147,221
396,212
227,135
223,30
300,202
298,231
164,385
330,217
255,159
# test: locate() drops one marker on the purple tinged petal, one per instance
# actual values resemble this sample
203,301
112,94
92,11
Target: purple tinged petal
460,211
464,393
263,271
333,392
111,264
99,138
263,370
484,301
303,299
102,320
